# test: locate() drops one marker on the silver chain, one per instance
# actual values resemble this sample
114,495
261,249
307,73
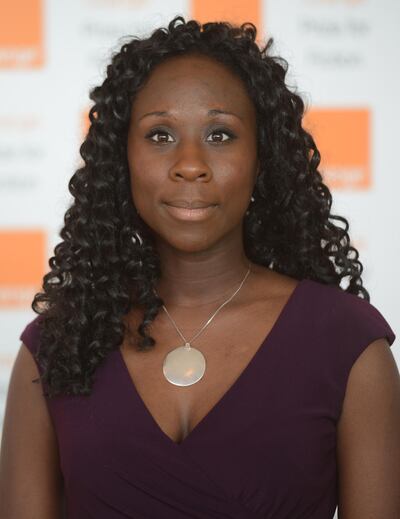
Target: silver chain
187,343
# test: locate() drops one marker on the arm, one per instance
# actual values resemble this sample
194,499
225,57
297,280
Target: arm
31,484
368,441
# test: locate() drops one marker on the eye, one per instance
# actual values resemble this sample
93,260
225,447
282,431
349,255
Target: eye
157,131
223,131
160,131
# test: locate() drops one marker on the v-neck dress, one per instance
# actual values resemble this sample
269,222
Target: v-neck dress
267,449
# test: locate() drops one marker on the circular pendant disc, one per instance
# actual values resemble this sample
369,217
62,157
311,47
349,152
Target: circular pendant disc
184,366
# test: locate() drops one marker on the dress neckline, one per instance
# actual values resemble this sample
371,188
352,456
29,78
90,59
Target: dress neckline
234,387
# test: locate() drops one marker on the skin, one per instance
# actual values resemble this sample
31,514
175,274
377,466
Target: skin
194,158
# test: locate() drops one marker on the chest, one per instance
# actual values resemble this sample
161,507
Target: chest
228,346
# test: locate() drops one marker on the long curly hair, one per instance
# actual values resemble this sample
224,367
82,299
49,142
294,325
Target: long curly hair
99,271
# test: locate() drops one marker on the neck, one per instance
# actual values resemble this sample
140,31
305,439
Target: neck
191,280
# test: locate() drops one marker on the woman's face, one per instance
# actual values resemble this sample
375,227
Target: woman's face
190,151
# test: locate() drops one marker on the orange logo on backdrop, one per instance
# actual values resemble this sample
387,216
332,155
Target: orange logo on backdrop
85,123
234,11
343,139
22,266
21,34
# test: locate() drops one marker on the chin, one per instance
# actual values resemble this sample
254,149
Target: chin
189,241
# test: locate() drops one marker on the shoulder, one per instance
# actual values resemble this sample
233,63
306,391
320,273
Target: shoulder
344,317
352,344
348,316
329,306
30,337
29,454
368,432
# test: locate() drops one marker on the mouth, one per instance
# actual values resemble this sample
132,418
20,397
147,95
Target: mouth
190,213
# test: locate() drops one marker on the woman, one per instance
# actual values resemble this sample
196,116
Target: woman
198,356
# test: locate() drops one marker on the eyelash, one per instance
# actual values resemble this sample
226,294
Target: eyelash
155,131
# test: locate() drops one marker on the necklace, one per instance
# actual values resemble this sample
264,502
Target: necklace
184,365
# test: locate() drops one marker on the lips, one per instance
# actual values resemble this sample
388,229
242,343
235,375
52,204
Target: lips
189,204
192,211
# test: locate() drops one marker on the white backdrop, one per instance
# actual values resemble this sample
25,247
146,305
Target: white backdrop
343,57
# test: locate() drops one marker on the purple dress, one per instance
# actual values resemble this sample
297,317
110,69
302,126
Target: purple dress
266,450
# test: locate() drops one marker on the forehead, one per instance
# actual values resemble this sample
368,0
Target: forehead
190,81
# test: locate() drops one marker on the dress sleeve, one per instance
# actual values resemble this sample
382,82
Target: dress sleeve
351,325
30,336
363,325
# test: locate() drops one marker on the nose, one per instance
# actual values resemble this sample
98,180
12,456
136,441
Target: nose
190,164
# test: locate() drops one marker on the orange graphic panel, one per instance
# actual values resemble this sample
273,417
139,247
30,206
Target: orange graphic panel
343,139
84,123
22,263
21,34
234,11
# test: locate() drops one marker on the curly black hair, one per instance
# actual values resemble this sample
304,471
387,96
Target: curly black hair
99,272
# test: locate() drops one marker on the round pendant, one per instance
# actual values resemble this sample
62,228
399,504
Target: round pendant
184,366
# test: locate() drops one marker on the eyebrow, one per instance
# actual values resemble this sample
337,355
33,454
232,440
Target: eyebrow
210,113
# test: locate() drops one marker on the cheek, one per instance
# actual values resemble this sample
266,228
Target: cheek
142,187
236,183
144,180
